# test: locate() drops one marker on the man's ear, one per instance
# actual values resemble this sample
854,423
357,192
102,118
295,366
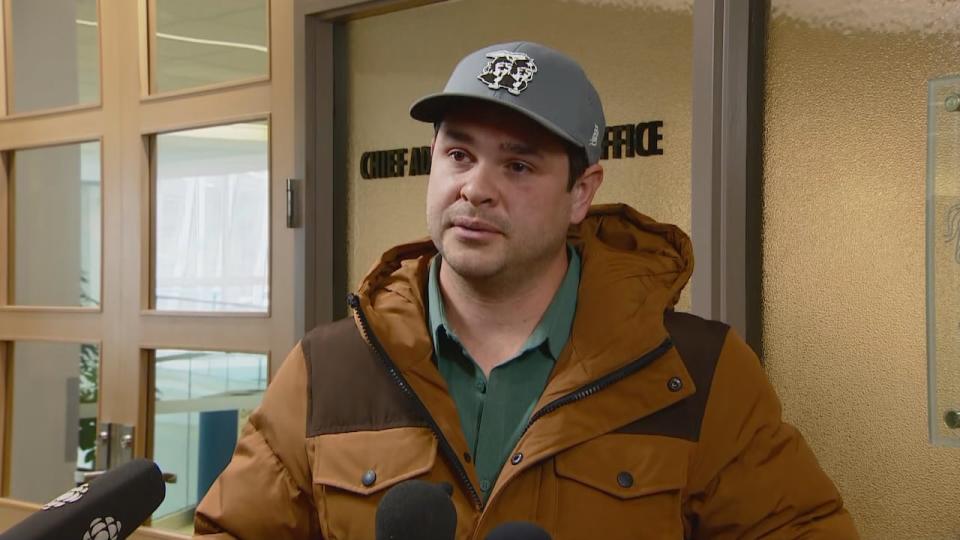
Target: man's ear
583,191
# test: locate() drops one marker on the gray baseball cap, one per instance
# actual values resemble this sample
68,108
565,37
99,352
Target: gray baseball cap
537,81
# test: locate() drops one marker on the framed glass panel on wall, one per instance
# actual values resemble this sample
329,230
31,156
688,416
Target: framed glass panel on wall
55,237
943,259
54,57
198,44
211,219
54,391
202,399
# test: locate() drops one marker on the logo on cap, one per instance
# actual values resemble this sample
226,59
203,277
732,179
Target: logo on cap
510,71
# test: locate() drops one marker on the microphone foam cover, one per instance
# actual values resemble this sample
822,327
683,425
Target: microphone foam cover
113,505
416,510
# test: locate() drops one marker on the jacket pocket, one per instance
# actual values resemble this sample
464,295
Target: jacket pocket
352,471
621,486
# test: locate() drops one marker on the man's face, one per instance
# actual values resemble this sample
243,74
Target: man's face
496,169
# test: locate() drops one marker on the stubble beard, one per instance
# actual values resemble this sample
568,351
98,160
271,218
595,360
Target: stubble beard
475,261
502,267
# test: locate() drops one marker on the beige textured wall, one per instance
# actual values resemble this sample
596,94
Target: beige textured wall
637,53
844,275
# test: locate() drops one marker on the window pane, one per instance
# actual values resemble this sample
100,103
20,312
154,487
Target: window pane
201,43
212,219
203,399
54,420
55,52
56,204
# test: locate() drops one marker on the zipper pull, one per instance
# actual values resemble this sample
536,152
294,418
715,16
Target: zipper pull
353,300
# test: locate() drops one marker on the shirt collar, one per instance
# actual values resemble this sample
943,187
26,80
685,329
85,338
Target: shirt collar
554,327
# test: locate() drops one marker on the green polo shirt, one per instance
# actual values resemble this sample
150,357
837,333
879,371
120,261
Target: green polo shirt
494,412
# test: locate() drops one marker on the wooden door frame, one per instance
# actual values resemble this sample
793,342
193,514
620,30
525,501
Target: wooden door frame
125,121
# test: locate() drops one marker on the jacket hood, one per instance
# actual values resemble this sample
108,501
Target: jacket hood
632,269
621,249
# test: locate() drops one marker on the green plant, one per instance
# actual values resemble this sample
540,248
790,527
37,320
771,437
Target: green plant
89,385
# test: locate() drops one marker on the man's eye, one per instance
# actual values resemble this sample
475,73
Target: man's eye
458,155
518,167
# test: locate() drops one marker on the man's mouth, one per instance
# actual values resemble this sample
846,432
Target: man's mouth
472,224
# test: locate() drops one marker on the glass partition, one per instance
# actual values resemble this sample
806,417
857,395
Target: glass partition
55,388
56,204
55,54
211,219
209,42
202,401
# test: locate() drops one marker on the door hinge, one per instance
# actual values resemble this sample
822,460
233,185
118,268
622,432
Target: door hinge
292,218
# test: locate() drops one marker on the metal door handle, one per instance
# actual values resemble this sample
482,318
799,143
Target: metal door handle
90,476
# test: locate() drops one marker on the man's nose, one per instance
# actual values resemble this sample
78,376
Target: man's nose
479,185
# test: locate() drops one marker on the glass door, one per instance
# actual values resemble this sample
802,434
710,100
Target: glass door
147,278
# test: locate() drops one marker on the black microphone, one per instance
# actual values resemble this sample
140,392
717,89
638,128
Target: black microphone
518,530
112,506
416,510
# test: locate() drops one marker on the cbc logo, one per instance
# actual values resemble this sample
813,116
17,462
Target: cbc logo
69,497
103,529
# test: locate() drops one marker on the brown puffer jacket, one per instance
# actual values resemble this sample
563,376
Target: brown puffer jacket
654,424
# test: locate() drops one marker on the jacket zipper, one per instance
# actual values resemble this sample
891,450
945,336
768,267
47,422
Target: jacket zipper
445,447
601,383
581,393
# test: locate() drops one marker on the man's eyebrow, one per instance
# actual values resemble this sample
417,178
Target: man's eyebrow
512,147
520,148
459,136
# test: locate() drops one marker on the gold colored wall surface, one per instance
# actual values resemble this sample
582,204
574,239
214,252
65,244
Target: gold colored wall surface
843,242
637,53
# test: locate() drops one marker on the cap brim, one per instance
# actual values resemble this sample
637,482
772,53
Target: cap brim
432,108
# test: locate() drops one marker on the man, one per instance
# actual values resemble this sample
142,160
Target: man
528,355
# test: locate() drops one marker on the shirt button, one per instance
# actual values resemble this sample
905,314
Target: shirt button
485,485
482,387
625,479
369,478
517,458
675,384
